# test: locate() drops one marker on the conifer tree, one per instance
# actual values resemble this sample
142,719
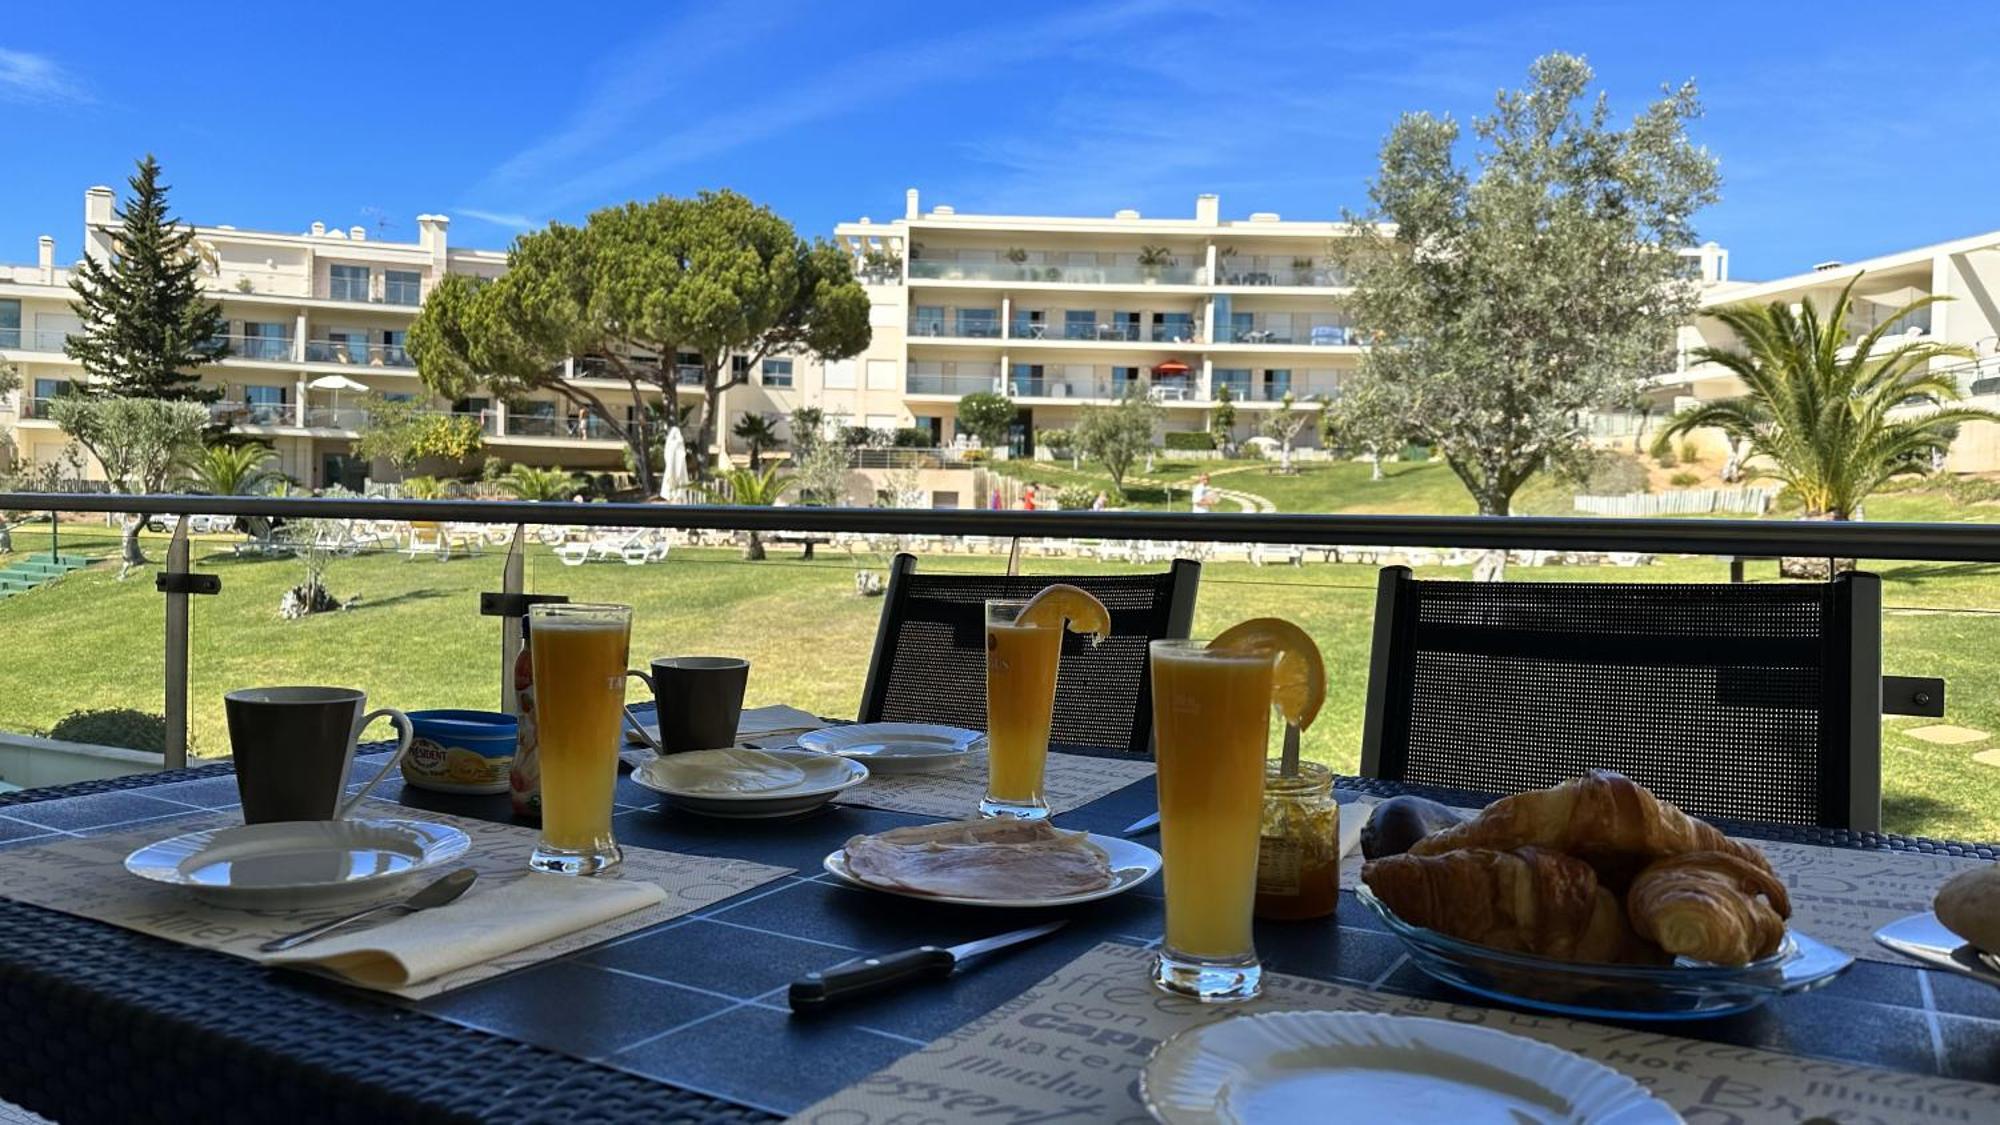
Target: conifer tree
147,328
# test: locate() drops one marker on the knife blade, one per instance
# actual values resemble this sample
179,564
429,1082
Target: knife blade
1142,825
815,991
1922,937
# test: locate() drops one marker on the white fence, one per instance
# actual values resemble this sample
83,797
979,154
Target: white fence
1691,502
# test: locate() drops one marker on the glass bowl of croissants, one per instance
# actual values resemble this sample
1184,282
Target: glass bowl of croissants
1591,898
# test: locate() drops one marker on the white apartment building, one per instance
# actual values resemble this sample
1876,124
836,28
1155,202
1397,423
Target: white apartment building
1966,270
1057,313
325,306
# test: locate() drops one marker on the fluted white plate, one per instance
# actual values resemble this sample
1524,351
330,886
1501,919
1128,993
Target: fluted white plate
685,782
299,862
1279,1068
896,747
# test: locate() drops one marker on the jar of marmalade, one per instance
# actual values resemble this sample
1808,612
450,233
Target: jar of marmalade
1298,850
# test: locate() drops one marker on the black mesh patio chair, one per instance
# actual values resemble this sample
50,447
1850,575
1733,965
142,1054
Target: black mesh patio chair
930,651
1754,702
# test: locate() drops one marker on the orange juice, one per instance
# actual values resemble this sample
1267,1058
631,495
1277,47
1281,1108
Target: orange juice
580,658
1021,665
1211,720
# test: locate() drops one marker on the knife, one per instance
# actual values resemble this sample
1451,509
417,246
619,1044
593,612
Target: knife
1142,825
816,991
1922,937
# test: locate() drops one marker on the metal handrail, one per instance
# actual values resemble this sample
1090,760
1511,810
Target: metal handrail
1941,542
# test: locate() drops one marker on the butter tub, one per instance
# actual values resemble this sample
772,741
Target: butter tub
460,751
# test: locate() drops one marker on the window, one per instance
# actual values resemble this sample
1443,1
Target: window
1173,328
1122,378
393,354
840,374
347,347
1241,324
1027,378
777,373
1126,324
739,365
928,321
46,389
1031,324
264,396
979,323
264,341
1237,379
881,374
1079,324
400,287
266,405
347,283
1277,383
10,324
687,369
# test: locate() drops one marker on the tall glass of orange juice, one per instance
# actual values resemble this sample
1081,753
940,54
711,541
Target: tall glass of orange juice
1211,721
1021,661
579,653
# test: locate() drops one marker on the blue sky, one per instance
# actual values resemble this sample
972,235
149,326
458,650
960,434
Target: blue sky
1844,130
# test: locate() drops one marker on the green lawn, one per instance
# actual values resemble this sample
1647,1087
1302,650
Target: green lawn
415,639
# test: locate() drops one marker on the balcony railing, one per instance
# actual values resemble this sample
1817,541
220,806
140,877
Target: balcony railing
937,383
555,426
271,348
358,352
33,339
344,418
963,327
239,413
1242,272
1261,332
937,269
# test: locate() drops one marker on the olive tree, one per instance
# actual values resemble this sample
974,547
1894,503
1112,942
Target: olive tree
142,444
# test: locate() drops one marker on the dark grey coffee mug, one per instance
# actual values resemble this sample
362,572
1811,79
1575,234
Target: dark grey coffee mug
699,700
293,747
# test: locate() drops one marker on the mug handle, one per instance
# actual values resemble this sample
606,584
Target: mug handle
632,720
406,733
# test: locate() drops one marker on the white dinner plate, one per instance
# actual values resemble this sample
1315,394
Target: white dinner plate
298,862
896,747
702,781
1282,1068
1131,864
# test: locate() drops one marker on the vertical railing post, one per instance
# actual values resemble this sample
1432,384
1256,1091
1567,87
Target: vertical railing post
177,581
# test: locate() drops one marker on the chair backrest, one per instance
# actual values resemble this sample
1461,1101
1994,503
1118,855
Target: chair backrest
1754,702
930,651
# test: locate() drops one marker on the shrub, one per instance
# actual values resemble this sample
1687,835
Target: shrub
1189,439
1058,442
1610,473
910,437
424,488
1684,479
861,437
494,469
1690,452
1969,490
971,455
1076,496
114,726
1664,456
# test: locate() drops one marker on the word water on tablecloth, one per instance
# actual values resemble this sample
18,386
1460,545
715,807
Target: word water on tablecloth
87,877
1072,1048
1072,781
1839,895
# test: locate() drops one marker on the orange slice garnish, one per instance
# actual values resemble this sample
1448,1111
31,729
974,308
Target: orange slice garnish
1062,604
1298,684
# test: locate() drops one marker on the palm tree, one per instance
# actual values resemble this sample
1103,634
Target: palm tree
232,470
758,431
751,488
1833,429
526,482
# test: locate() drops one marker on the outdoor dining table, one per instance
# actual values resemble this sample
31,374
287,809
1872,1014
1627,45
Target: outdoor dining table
686,1021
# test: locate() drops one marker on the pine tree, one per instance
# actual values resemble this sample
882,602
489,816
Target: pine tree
146,325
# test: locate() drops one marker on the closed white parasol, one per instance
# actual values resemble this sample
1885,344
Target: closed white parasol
674,478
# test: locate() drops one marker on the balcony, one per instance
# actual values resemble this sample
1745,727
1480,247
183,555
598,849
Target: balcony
266,349
960,327
359,353
344,418
33,339
939,383
1286,334
1257,272
560,426
937,269
230,412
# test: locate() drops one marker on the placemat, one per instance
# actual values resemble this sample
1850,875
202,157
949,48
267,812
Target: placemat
1072,1048
1071,781
87,877
1839,895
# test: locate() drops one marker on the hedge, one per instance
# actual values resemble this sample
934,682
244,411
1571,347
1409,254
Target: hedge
1190,439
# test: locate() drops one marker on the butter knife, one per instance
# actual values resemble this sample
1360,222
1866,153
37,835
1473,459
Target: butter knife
816,991
1924,938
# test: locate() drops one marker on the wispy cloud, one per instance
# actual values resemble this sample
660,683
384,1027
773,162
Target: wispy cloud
857,81
509,219
37,80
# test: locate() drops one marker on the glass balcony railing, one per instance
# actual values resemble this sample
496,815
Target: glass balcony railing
358,352
934,269
1241,272
278,348
348,418
962,327
936,383
33,339
1284,332
235,412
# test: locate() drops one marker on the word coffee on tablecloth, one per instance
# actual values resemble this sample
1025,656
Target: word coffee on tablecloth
1839,895
1072,1048
87,877
1071,781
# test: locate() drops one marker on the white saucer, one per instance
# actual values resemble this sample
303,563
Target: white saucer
1131,864
691,781
298,862
1282,1068
896,747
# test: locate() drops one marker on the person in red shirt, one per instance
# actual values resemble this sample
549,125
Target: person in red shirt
1028,497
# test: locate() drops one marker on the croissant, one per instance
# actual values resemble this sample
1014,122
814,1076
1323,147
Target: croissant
1528,900
1711,906
1604,818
